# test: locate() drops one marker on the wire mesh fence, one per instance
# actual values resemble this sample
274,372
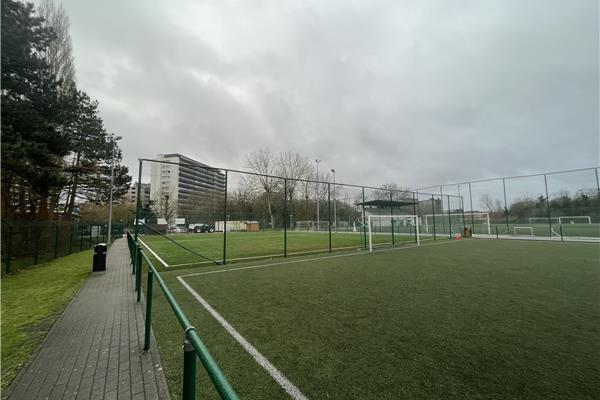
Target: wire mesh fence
553,205
26,243
230,215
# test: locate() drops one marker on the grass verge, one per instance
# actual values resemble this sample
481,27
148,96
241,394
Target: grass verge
32,300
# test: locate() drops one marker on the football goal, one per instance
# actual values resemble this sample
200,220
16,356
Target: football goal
475,218
391,222
582,219
518,230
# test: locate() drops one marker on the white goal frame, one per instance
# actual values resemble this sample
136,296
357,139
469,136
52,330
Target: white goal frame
523,227
587,218
392,217
467,214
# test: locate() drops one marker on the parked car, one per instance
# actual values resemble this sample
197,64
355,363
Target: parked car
202,228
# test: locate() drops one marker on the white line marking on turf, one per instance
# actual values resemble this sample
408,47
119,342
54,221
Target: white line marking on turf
285,383
312,259
154,254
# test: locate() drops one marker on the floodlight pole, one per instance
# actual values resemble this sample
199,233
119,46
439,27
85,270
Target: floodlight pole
112,180
317,192
334,204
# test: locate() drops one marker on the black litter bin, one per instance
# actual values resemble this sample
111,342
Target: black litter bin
100,257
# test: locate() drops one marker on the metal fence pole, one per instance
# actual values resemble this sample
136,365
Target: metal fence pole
138,275
548,205
138,202
329,213
597,182
71,239
285,218
471,201
363,220
442,211
148,324
80,228
8,248
449,217
415,200
497,237
433,217
189,370
225,221
37,244
505,205
392,214
562,239
56,231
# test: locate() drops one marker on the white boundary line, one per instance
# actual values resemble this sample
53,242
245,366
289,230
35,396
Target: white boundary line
260,359
316,259
285,383
154,254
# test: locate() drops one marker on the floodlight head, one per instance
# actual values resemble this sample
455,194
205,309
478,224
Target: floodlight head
333,170
118,138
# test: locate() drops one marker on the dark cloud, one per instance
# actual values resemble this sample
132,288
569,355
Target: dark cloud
412,92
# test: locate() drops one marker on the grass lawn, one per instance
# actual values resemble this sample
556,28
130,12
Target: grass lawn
32,300
464,319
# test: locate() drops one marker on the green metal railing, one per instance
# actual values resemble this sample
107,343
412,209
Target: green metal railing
192,344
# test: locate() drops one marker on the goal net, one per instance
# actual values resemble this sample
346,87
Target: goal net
543,220
479,219
388,225
582,219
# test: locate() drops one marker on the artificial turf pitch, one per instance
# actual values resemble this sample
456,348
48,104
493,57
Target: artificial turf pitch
485,319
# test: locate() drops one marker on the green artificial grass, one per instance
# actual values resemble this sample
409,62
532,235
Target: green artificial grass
463,319
241,245
32,300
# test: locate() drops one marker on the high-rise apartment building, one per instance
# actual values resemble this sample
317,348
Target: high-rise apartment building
181,187
131,195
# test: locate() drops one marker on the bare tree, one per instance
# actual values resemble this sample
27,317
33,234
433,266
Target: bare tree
263,162
59,54
293,166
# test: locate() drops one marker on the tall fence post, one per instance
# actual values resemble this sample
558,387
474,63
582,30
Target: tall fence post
138,275
138,202
8,248
442,211
71,239
225,222
364,225
433,217
37,244
548,205
392,214
80,229
189,370
56,232
285,217
497,237
148,325
449,217
471,202
415,213
505,206
329,213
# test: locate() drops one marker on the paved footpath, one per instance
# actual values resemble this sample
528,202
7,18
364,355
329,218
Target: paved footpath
95,349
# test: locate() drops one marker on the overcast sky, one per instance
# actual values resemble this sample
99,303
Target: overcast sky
413,92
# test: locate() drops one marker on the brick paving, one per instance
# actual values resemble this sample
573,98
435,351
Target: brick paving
95,349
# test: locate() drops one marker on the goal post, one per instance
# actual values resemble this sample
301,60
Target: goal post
579,219
412,220
477,218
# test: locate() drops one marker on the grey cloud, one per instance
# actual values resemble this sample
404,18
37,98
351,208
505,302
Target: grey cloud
413,92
